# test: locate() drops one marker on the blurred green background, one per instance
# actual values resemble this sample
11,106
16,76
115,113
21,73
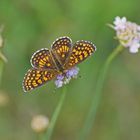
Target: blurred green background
34,24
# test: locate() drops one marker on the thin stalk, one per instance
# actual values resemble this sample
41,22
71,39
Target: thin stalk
97,96
55,116
40,136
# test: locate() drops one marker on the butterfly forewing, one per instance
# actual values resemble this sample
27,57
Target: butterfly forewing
42,59
35,78
61,49
81,50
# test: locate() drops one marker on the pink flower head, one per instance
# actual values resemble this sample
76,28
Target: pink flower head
128,33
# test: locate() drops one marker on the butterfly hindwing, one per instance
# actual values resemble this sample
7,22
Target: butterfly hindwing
61,49
35,78
81,50
42,59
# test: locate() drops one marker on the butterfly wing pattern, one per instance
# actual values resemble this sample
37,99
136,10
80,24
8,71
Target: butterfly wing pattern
80,51
47,64
42,59
61,49
35,78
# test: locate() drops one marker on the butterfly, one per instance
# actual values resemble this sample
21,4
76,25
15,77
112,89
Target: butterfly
48,63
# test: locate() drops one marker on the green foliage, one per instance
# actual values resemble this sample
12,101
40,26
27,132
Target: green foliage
30,25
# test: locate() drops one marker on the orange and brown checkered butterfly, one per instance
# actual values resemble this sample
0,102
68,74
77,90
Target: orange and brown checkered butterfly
47,64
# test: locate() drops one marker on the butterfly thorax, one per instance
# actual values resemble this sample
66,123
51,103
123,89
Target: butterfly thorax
57,63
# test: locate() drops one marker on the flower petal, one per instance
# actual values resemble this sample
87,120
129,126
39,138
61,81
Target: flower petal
134,48
58,83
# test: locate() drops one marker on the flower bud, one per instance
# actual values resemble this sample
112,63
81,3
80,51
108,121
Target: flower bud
39,123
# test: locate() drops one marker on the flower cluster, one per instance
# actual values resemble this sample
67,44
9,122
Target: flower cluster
65,78
128,33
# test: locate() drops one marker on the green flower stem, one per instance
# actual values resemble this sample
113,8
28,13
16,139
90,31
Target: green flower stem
97,96
40,136
55,115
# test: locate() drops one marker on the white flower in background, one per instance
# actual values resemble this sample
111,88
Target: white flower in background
64,79
39,123
128,33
